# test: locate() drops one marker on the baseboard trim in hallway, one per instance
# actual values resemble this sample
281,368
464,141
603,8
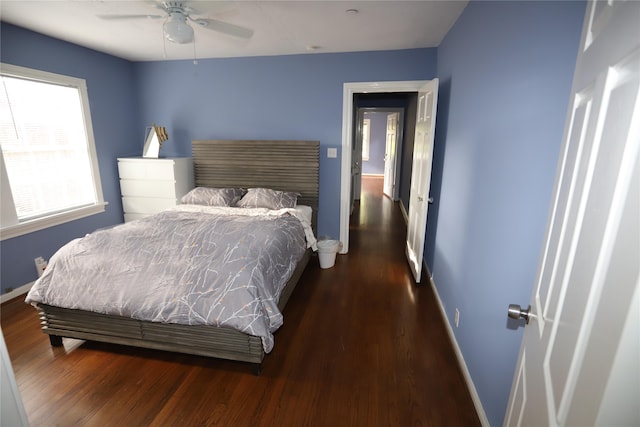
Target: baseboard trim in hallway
454,342
463,364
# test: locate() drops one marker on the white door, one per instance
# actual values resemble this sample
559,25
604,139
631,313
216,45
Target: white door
421,175
390,155
580,356
362,131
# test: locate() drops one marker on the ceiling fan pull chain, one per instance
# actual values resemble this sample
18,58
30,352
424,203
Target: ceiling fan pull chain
195,57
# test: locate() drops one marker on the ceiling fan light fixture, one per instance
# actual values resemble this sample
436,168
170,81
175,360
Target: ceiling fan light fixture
177,30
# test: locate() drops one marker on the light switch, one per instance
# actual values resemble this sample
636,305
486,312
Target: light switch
332,153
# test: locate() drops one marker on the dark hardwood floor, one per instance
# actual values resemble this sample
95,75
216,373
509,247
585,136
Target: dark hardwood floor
362,345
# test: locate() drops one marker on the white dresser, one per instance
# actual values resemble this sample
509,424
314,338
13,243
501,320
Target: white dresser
151,185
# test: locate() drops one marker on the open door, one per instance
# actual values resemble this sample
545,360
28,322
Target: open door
362,131
578,362
390,149
421,175
349,90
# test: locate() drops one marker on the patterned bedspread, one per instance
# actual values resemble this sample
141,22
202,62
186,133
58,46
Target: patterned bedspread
188,265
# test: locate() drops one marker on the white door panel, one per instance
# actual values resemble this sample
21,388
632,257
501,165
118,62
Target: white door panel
575,348
391,143
356,159
421,175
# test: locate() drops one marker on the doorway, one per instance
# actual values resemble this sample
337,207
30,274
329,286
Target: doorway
350,93
378,147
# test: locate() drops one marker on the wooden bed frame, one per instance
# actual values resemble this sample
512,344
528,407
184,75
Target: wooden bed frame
280,165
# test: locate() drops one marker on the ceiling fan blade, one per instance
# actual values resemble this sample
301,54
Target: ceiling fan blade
224,27
118,17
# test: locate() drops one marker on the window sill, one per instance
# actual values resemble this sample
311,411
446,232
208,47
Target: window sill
50,221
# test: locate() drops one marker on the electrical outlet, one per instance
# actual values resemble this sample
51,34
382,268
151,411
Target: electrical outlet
456,317
41,264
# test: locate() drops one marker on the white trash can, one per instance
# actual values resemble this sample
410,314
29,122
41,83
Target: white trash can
327,250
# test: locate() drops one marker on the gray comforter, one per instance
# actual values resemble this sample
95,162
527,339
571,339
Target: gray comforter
190,265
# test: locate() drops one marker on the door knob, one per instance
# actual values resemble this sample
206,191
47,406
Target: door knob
516,312
430,199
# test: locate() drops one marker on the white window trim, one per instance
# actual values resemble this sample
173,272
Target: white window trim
25,227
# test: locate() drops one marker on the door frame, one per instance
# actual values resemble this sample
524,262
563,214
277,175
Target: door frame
348,90
359,114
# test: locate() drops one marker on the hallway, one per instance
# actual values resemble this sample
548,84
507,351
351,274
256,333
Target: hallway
362,345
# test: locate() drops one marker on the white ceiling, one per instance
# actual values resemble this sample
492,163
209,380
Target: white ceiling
280,27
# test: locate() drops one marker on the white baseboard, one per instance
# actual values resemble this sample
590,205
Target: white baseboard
463,365
404,213
16,292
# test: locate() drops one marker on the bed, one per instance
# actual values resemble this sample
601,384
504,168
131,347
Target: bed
284,166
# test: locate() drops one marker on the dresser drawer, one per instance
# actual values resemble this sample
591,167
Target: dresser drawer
148,188
146,169
146,205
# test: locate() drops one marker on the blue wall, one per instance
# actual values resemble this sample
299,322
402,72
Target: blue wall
276,97
377,144
110,83
505,70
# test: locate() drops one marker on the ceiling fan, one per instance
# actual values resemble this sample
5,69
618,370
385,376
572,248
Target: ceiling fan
177,17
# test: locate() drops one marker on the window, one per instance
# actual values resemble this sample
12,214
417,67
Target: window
48,159
366,134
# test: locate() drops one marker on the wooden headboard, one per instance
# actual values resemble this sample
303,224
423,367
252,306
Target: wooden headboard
279,165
